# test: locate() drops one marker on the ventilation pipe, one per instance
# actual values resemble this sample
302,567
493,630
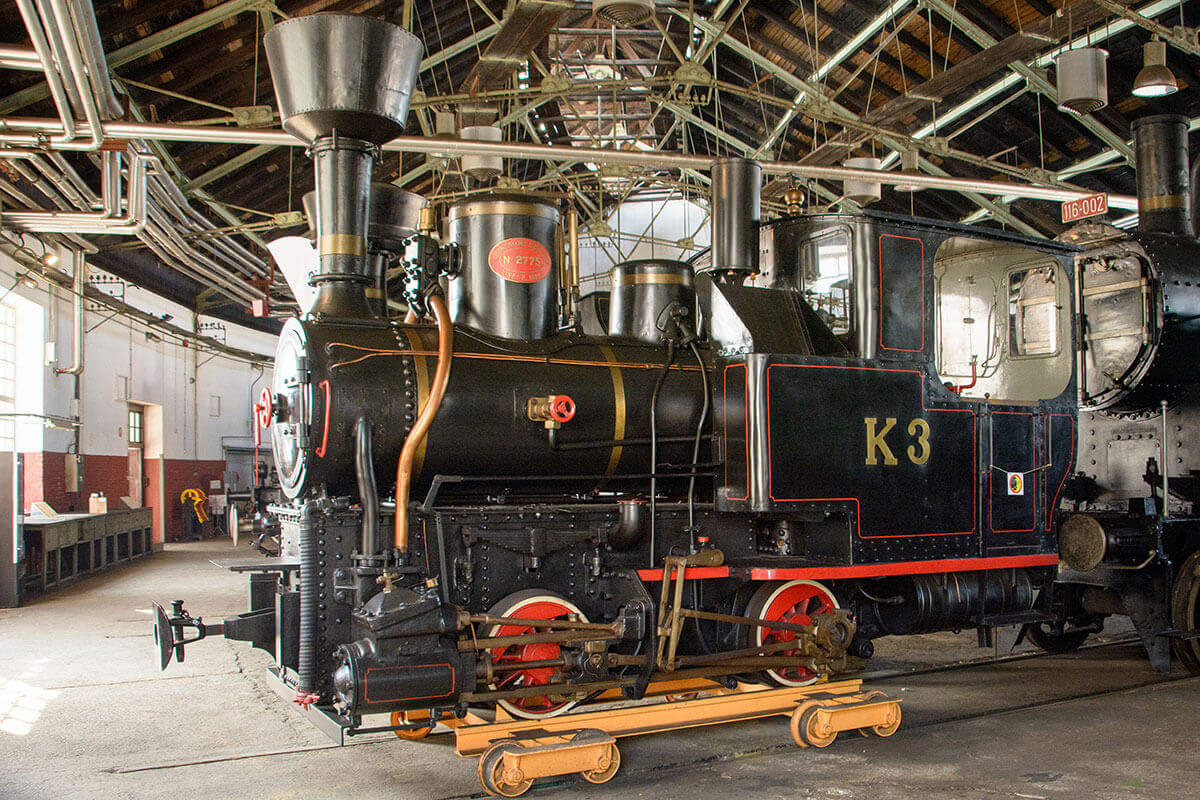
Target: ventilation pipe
131,223
1164,200
736,188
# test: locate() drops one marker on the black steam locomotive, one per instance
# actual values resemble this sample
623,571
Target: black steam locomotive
506,505
1130,541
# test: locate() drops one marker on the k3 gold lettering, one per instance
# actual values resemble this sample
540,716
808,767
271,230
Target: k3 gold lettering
920,429
877,446
875,441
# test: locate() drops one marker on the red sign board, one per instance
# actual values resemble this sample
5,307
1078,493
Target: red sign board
1084,207
520,260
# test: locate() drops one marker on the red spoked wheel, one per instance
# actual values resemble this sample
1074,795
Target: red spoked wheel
794,602
531,604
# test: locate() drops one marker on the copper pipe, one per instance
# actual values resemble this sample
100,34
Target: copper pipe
410,317
572,257
441,377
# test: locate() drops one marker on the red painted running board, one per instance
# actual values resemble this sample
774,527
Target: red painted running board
864,570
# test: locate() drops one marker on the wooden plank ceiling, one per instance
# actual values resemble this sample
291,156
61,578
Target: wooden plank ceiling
913,69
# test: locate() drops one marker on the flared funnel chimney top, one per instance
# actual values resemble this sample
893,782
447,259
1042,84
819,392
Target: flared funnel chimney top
343,72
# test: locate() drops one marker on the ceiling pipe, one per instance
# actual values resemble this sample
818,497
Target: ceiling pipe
652,159
233,251
158,240
23,58
58,90
110,183
66,38
80,19
78,282
54,19
131,223
202,268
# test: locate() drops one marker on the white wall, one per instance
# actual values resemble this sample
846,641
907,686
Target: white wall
129,361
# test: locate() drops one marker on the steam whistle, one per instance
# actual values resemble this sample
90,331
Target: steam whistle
169,632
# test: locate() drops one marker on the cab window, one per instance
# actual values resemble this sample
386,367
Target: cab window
825,273
1001,315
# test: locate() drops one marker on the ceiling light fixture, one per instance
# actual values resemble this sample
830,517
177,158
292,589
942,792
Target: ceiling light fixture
1082,79
862,192
623,13
909,165
1156,78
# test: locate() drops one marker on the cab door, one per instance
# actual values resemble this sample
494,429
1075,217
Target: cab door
1004,345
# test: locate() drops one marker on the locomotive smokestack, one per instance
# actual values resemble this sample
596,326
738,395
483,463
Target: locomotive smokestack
1164,196
343,83
735,215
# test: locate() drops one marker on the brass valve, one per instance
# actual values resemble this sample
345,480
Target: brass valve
552,410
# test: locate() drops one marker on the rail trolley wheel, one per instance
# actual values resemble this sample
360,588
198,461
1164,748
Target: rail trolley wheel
410,717
604,774
788,601
882,730
535,604
1185,611
805,729
494,778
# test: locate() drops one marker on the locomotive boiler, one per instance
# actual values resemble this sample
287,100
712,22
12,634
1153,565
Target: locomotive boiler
488,505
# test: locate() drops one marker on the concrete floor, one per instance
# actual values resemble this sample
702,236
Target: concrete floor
84,712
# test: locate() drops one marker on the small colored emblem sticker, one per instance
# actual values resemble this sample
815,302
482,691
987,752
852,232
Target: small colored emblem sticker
520,260
1016,483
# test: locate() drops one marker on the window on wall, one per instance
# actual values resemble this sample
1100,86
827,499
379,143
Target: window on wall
8,376
135,426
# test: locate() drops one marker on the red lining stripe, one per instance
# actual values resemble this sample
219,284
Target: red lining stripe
692,572
320,451
1052,504
905,568
867,570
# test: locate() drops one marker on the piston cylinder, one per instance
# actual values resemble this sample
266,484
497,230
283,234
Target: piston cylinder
950,601
641,293
508,284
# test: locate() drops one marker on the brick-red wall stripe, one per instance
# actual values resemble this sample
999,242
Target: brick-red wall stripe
45,476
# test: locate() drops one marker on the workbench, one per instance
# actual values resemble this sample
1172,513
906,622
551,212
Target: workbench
72,545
